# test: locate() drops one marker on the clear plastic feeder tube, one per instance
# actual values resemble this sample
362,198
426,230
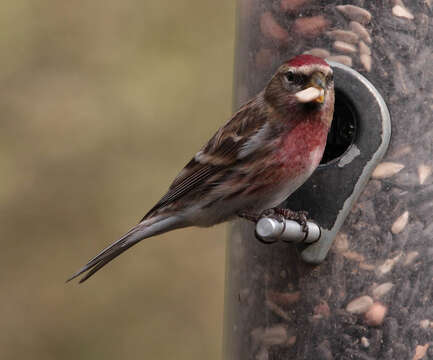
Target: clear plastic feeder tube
372,297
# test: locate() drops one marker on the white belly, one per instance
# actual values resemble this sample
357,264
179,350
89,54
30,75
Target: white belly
201,215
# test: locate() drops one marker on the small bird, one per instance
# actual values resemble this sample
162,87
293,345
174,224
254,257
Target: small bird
269,148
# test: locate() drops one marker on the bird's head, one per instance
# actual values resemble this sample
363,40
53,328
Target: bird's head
304,83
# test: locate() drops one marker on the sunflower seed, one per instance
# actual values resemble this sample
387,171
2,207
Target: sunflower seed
387,266
319,52
342,59
355,13
275,335
353,255
381,290
364,48
424,171
277,310
362,32
343,35
410,257
400,223
341,242
424,323
386,169
310,27
403,12
420,351
309,94
366,61
344,47
359,305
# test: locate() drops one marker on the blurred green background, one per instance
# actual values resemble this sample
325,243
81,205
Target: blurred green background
102,103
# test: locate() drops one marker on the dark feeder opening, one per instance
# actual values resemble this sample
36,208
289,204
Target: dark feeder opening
343,129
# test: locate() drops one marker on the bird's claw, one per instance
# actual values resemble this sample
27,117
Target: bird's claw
254,217
274,213
280,215
299,216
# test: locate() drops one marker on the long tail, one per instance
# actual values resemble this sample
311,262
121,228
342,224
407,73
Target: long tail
143,230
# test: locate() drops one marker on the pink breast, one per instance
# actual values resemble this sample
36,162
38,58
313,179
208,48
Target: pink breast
302,147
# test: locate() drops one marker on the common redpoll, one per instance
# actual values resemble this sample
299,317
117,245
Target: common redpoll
266,151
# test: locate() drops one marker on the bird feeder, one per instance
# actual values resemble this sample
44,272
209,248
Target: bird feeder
361,286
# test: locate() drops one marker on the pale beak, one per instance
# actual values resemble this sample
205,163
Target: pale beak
315,90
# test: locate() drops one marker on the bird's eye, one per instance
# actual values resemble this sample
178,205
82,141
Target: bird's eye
290,76
296,78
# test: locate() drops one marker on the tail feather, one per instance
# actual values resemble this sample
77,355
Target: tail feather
143,230
102,263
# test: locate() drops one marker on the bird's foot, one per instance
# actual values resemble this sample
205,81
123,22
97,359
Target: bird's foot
254,217
299,216
279,214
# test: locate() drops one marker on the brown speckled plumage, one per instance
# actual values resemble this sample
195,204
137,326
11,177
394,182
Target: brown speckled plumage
253,162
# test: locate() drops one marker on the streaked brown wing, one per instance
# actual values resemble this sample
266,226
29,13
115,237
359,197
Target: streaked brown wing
195,179
220,153
193,175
